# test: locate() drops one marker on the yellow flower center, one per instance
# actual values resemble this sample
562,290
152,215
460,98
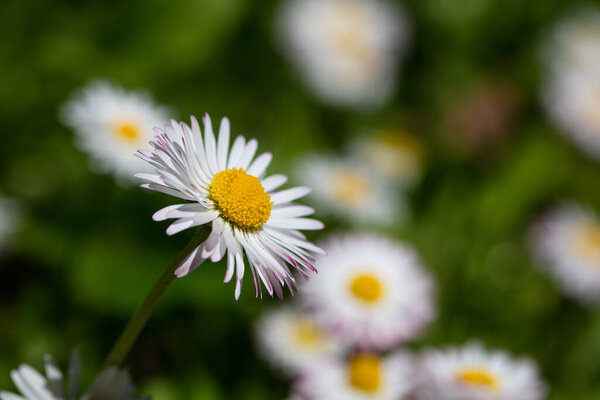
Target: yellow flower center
478,377
127,131
240,198
365,372
366,287
351,188
308,334
589,240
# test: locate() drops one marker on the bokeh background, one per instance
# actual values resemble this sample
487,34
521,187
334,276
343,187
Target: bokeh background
87,251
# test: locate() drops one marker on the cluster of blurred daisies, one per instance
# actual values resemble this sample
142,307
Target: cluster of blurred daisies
345,335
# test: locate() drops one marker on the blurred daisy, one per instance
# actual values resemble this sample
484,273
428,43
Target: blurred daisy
111,384
371,291
574,43
567,241
9,218
363,377
293,341
397,156
474,373
570,94
111,124
228,189
352,191
346,50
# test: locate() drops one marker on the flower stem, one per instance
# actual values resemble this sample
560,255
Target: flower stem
140,317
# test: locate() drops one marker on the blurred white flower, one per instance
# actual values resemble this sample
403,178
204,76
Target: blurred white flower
228,189
371,291
347,51
567,242
110,384
293,341
9,219
474,373
363,377
571,94
111,123
397,156
351,191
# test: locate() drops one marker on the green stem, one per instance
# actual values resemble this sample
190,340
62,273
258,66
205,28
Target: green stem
142,314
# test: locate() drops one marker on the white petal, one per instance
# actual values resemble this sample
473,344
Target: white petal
285,196
296,223
210,145
236,152
10,396
223,144
273,182
190,263
292,211
259,166
248,153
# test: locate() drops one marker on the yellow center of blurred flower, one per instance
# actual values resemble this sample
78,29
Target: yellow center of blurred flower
127,131
365,372
477,377
351,188
589,240
308,334
240,198
366,287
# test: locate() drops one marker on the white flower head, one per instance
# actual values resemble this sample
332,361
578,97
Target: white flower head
9,219
111,123
396,156
474,373
227,188
371,291
571,94
346,50
567,243
293,341
110,384
362,377
350,190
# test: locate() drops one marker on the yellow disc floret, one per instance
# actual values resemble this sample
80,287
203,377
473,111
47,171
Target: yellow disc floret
127,131
366,287
240,198
308,334
589,240
477,377
365,372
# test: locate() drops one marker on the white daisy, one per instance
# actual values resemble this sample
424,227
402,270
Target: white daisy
567,242
571,94
346,50
350,190
293,341
474,373
228,189
111,124
363,377
111,384
397,156
9,219
370,290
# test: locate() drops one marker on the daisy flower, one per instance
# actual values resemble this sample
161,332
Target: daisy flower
293,341
371,291
397,156
474,373
567,242
350,190
363,377
227,188
9,219
111,123
570,94
346,50
111,384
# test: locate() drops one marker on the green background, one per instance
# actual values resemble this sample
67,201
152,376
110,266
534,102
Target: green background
88,251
